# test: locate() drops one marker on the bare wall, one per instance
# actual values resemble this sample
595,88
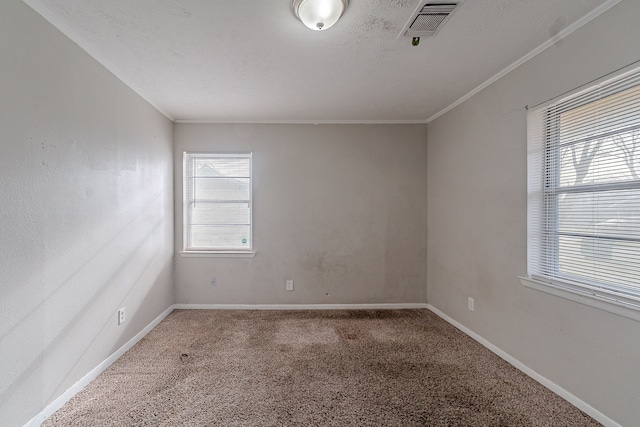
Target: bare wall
340,209
86,212
477,194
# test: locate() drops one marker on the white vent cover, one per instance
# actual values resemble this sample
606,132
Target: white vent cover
428,18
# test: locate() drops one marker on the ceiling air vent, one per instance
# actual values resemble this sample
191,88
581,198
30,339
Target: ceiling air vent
428,18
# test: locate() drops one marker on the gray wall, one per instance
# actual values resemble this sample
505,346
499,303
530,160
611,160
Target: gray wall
86,213
477,224
340,209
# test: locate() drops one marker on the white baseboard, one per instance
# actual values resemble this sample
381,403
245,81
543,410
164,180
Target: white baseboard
385,306
93,374
73,390
575,401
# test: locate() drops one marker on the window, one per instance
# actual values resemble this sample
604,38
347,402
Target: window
217,202
584,192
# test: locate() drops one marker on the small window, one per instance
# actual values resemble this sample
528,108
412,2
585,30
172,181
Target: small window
217,202
584,191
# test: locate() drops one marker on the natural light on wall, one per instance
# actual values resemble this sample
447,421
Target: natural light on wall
584,191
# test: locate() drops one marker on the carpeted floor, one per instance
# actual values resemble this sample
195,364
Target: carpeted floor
313,368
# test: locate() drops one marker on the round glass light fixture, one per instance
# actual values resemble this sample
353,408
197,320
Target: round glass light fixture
319,14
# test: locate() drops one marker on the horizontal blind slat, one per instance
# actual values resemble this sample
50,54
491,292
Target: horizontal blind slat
217,201
584,187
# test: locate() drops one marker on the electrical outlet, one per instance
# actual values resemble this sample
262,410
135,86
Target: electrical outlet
289,285
121,316
471,304
213,281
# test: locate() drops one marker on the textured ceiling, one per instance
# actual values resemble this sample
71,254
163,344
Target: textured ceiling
253,61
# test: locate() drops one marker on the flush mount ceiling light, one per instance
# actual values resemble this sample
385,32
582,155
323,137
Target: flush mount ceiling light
319,14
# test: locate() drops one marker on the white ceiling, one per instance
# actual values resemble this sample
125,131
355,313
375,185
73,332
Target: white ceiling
253,61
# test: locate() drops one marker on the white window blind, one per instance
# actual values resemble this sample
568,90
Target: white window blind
217,202
584,191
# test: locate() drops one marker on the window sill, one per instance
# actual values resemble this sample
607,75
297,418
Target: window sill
217,254
625,307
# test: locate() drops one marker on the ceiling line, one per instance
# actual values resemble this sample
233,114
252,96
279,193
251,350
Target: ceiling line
58,24
73,36
544,46
303,122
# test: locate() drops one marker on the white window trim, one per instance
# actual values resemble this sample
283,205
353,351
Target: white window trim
214,253
217,254
624,305
616,304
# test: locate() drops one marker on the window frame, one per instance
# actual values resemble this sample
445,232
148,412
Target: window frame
188,251
543,201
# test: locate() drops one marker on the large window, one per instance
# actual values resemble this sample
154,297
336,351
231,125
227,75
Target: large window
584,191
217,202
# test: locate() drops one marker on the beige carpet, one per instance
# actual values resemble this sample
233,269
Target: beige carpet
313,368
